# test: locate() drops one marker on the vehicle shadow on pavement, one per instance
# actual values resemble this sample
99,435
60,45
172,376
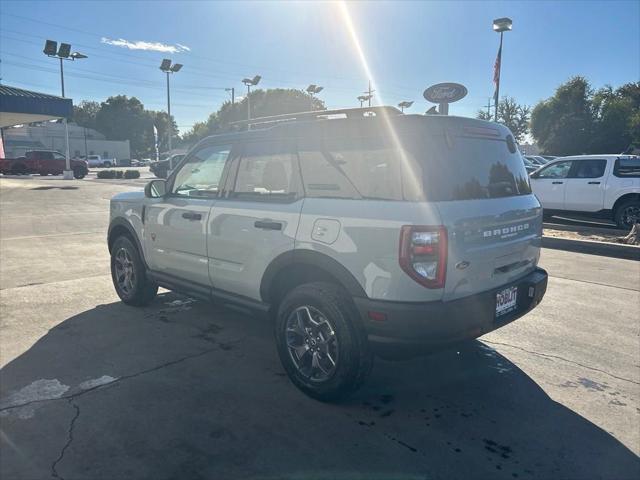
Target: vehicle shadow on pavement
182,389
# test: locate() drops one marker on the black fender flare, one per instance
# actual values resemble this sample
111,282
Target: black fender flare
118,223
314,259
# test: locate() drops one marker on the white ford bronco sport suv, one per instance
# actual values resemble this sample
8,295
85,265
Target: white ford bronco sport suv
598,185
375,233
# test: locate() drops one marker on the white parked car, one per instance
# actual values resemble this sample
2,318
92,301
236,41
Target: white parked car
600,185
97,161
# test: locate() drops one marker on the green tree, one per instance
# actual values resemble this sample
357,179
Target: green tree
264,103
564,123
578,120
84,114
124,118
511,114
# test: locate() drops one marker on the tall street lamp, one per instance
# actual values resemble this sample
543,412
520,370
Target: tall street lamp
167,68
63,53
250,82
404,105
500,25
311,90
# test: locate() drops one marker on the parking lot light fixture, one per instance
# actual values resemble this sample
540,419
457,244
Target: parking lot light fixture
312,90
250,82
405,104
63,53
167,68
364,98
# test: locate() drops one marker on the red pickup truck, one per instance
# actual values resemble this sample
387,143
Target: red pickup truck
43,162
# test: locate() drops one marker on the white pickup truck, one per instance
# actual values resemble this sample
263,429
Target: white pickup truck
599,185
97,161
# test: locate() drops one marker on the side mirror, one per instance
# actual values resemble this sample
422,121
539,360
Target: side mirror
155,188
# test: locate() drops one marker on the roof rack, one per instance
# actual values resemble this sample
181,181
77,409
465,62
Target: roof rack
319,115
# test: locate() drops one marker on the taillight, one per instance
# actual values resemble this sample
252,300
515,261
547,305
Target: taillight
423,254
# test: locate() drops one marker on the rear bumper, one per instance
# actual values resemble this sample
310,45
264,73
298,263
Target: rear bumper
428,326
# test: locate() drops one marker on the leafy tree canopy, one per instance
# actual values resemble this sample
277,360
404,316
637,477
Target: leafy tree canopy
579,120
511,114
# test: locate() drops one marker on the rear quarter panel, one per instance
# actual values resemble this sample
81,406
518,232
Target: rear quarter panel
364,238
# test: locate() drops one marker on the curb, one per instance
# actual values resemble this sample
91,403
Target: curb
626,252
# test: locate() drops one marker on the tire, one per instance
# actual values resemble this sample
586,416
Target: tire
339,339
627,213
138,290
79,173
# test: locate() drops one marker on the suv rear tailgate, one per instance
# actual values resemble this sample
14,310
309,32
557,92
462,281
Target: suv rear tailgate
492,242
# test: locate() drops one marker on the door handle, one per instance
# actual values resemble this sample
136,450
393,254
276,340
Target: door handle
268,225
594,183
192,216
557,183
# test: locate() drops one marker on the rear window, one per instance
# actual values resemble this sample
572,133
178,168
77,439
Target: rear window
627,167
414,169
468,168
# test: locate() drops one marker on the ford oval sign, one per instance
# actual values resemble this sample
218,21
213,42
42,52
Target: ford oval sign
445,92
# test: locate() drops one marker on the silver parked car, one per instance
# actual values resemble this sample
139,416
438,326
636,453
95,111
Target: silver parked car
376,233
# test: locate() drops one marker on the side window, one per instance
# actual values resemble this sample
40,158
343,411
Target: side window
589,169
323,179
202,173
266,171
627,167
557,170
56,156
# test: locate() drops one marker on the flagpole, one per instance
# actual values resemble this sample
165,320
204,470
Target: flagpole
497,99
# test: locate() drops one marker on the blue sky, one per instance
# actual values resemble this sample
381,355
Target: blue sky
407,47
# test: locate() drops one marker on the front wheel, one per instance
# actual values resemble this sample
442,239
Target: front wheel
79,173
627,214
129,275
321,342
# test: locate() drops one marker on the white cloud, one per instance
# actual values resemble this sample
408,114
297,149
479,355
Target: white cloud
141,45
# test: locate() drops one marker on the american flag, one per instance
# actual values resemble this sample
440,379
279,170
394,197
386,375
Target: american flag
496,73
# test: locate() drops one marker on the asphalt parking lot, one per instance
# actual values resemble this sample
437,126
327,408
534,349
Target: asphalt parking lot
93,389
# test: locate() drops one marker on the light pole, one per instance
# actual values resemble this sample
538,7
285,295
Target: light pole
404,105
167,68
500,25
63,53
233,96
250,82
369,94
311,90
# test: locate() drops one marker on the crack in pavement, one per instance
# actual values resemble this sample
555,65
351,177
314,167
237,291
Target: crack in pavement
547,355
54,472
117,380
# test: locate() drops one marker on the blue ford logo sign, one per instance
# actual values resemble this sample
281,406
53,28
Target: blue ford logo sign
445,92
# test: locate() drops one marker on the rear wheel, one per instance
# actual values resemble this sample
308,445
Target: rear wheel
627,214
129,275
79,173
321,342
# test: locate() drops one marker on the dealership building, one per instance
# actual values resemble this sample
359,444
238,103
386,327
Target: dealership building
50,136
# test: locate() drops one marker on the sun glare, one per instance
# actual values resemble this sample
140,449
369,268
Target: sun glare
409,166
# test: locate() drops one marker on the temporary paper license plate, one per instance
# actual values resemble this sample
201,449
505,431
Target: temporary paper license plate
506,300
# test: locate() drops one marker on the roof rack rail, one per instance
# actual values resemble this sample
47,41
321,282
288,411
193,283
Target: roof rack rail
319,115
